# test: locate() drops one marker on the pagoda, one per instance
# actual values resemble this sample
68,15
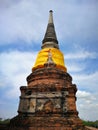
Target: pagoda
48,102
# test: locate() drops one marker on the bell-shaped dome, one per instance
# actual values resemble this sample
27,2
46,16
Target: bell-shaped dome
57,57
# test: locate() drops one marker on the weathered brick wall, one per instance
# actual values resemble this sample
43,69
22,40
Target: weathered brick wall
48,102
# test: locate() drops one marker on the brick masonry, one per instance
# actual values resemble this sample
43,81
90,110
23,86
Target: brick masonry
48,102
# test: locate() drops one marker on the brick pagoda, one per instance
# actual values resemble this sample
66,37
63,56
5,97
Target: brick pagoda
48,102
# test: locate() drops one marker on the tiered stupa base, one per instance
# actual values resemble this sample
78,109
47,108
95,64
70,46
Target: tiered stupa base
48,102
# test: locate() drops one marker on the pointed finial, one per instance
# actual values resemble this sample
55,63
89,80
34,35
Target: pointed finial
50,17
50,11
50,39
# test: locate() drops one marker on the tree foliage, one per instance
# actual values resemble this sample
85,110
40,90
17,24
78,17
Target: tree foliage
91,123
6,121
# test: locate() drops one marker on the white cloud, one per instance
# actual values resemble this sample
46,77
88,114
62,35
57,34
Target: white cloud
26,20
85,95
87,104
75,61
15,67
81,55
74,67
20,21
87,81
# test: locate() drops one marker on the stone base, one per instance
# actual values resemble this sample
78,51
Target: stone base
46,123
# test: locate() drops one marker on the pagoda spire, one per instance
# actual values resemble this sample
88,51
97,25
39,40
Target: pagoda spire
50,39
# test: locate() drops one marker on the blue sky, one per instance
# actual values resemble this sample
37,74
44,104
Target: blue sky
22,28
